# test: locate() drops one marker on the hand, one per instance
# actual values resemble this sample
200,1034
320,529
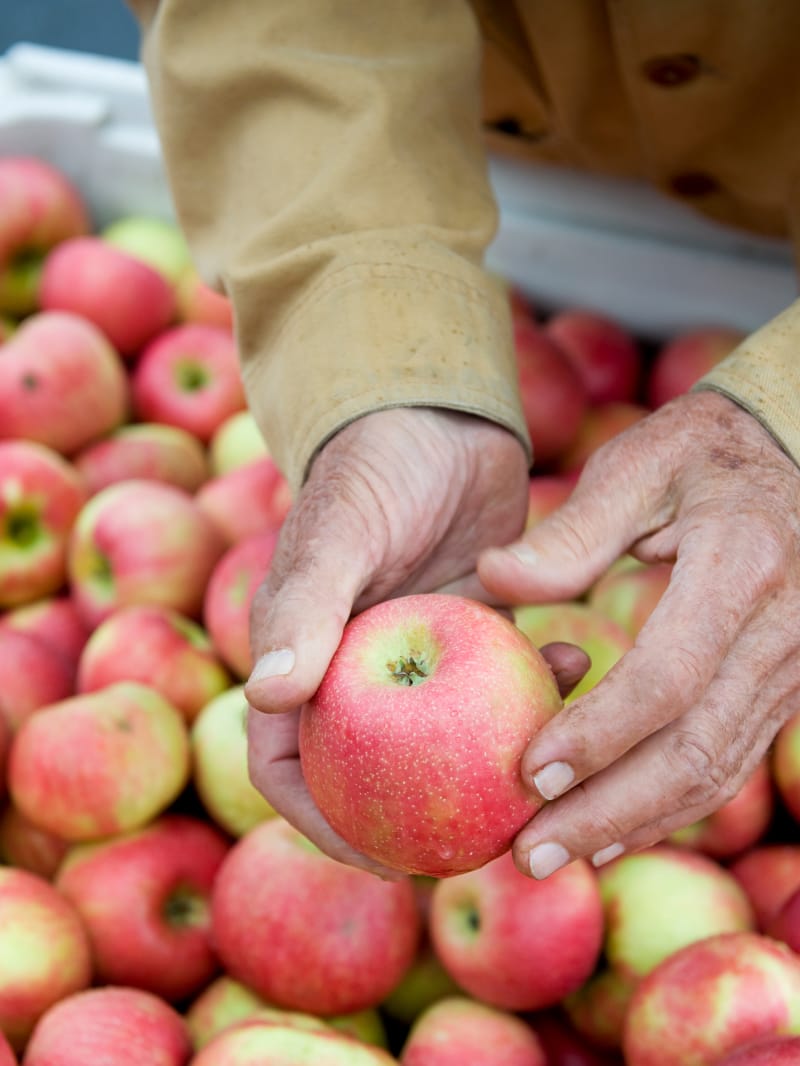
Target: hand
400,501
675,728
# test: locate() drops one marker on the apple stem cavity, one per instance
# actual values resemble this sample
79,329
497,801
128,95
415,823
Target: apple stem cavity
22,526
185,908
407,671
192,377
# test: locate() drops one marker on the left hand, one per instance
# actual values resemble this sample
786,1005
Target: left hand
675,728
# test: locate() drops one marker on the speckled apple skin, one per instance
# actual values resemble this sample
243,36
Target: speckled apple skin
425,777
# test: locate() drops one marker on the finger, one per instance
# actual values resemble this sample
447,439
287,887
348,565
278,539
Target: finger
274,766
710,597
568,663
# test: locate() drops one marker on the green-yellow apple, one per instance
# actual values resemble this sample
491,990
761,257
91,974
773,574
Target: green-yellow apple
141,542
32,675
41,495
145,450
260,1041
144,898
101,763
155,241
425,982
188,376
44,951
514,942
41,207
123,1026
250,499
236,442
710,997
159,647
28,847
786,765
604,641
683,359
61,383
308,933
412,744
218,738
605,354
462,1032
126,299
769,874
629,595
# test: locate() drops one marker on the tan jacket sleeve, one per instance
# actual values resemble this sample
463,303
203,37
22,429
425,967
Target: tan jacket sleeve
763,376
327,165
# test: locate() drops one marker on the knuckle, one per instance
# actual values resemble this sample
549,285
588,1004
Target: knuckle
694,758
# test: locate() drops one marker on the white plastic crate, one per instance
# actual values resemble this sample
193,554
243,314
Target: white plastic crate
565,238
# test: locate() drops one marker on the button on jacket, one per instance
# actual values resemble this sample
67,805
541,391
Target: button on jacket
328,163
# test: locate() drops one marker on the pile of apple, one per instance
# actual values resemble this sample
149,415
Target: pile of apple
153,908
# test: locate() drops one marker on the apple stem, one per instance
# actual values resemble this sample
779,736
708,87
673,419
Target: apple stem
406,671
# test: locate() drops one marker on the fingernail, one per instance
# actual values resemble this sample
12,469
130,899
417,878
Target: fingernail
554,779
273,664
545,859
524,553
604,855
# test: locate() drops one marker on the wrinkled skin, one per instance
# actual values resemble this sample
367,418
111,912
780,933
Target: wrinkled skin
416,500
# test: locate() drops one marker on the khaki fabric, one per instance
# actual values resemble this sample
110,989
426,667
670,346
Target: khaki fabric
328,163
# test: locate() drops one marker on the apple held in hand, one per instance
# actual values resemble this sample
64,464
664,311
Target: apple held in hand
412,745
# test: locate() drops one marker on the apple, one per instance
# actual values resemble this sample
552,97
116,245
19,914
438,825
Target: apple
44,951
250,499
159,647
769,874
514,942
198,302
412,744
603,640
236,442
459,1032
41,207
768,1051
710,997
786,765
32,675
600,424
155,241
141,542
628,596
123,1026
127,300
306,932
144,898
41,494
261,1041
547,492
552,392
364,1025
145,450
54,620
61,383
229,594
597,1009
218,738
785,925
605,354
681,361
99,764
26,846
7,1056
566,1047
424,983
189,376
738,824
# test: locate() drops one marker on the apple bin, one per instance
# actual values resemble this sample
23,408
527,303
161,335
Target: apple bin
154,908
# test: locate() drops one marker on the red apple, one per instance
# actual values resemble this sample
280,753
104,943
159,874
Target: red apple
27,846
553,395
308,933
126,299
229,594
412,744
769,874
7,1056
99,764
599,425
546,493
250,499
41,207
54,620
144,899
629,595
123,1026
145,450
685,358
236,442
159,647
189,376
32,675
154,241
514,942
565,1047
44,948
141,542
710,997
198,302
786,765
769,1051
262,1041
785,925
459,1032
40,497
61,383
605,354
